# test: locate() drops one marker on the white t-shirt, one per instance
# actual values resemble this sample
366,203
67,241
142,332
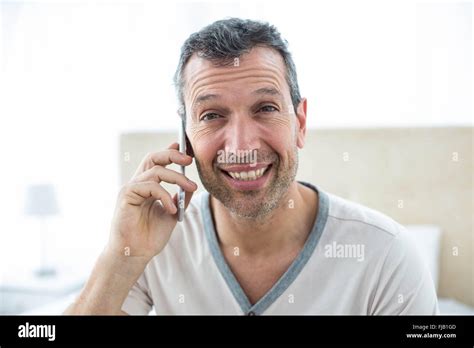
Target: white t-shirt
354,261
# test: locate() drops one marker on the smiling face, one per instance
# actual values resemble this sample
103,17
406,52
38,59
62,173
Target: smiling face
244,130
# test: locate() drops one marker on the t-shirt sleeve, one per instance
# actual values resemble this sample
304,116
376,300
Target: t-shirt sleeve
405,286
138,301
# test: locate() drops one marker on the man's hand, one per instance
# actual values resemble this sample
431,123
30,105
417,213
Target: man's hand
145,215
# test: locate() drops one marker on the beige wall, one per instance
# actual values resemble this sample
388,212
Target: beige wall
380,168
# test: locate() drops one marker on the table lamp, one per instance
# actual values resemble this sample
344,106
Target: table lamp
41,203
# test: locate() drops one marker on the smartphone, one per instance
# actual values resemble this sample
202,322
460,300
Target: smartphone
182,149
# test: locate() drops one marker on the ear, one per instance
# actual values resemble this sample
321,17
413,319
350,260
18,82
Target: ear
301,123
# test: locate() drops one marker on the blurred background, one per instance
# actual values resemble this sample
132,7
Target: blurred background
86,90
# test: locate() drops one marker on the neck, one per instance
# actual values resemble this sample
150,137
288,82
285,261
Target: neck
287,226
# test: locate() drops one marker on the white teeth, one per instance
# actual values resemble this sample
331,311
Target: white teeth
247,176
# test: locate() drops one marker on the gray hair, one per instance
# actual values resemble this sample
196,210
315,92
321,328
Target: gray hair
224,40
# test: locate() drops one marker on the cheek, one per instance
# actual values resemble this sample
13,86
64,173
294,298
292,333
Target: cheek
279,136
284,149
282,127
205,151
201,141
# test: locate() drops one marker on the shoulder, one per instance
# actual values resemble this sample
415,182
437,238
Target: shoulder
399,277
348,214
385,240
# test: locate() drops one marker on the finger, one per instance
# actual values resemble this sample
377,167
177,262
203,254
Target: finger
163,158
159,174
137,193
174,146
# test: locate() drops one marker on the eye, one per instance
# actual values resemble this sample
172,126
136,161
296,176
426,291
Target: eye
268,108
209,116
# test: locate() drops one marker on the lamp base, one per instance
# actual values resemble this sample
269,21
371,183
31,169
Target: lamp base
45,272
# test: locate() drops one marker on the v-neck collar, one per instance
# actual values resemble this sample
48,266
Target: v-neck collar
287,278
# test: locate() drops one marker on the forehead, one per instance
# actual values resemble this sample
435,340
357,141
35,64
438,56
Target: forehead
260,65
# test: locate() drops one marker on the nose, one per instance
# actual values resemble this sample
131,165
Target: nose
242,134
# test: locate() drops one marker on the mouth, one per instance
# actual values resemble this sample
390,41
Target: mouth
247,178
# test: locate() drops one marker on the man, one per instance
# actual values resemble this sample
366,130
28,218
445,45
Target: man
257,241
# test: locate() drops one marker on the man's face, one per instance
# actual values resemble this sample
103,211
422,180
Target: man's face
241,123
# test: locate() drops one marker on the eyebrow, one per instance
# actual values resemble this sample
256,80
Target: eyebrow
268,91
206,97
202,99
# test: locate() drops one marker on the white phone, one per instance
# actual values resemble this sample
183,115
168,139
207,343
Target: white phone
182,149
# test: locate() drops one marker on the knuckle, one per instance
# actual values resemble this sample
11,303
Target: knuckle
175,154
148,156
124,191
156,173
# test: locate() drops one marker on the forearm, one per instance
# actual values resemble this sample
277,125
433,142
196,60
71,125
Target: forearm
109,284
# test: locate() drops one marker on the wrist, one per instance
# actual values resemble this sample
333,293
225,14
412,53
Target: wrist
122,262
113,276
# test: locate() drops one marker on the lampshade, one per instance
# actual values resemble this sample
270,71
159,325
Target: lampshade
41,200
